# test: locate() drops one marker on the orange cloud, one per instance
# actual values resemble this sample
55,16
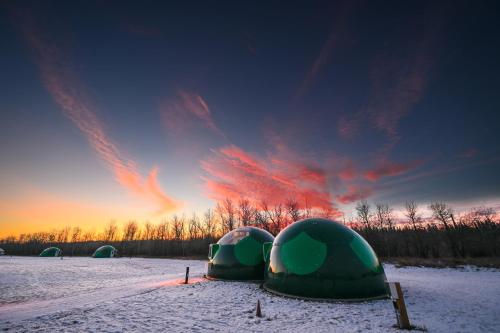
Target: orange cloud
234,173
61,82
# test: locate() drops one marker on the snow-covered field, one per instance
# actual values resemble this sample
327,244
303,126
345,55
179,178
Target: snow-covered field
122,294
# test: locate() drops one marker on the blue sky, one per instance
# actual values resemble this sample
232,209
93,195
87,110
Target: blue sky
147,109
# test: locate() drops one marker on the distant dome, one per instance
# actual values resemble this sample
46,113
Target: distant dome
51,252
238,255
106,251
322,259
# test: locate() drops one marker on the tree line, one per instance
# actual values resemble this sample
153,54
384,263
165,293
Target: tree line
440,234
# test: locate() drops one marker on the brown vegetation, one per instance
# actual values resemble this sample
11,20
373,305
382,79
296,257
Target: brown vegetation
441,235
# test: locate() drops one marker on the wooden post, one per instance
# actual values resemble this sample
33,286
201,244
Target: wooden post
187,276
399,305
258,312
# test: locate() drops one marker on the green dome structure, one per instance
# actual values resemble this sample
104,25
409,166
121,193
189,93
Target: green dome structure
106,251
322,259
238,255
51,252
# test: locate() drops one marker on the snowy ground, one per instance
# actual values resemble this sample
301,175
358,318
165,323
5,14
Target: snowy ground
122,294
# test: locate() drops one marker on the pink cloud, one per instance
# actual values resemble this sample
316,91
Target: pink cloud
64,87
348,172
398,84
354,193
469,153
179,113
347,127
389,169
234,173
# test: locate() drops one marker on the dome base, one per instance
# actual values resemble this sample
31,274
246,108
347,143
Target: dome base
331,300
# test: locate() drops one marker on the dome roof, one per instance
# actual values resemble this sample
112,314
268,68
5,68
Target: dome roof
322,259
51,252
238,255
106,251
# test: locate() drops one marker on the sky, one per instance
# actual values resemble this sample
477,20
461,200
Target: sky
121,110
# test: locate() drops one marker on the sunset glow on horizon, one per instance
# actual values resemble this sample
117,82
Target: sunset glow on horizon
114,112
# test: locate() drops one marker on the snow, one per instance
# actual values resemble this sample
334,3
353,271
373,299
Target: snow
123,294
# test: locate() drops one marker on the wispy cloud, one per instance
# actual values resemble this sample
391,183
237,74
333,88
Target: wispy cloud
63,85
338,28
469,153
347,127
354,193
398,83
387,168
179,113
235,173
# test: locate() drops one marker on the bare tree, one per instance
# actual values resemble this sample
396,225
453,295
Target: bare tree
292,208
63,234
227,213
441,212
384,215
194,227
275,216
412,214
75,235
444,214
110,231
245,212
88,236
307,209
161,232
261,220
326,212
178,226
278,218
209,226
148,231
130,231
364,215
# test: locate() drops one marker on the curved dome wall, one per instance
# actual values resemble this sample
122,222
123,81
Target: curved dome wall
238,255
51,252
106,251
322,259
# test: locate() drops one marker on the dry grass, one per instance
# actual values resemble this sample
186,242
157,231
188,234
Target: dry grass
490,262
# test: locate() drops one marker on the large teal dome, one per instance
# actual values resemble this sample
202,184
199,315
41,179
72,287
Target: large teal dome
322,259
238,255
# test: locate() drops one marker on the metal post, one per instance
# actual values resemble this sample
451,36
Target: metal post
187,276
258,312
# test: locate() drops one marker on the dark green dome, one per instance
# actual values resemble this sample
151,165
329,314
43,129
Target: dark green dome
51,252
238,255
322,259
106,251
